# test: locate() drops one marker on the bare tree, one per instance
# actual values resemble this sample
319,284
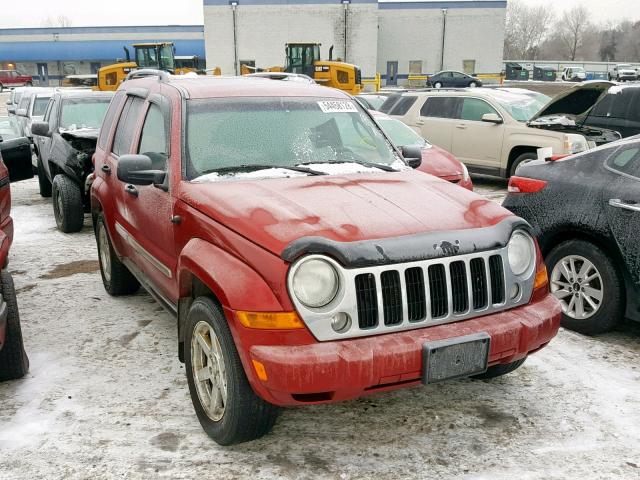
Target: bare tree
59,21
572,27
526,28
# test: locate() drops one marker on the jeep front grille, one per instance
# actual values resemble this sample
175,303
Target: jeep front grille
448,294
388,298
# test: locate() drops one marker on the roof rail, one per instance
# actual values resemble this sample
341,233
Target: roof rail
149,72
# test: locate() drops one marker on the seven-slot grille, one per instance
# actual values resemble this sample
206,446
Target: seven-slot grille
434,292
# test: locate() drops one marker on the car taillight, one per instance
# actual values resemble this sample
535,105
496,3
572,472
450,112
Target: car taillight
525,185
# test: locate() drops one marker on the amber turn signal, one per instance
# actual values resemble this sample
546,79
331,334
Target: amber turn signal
542,279
260,370
270,320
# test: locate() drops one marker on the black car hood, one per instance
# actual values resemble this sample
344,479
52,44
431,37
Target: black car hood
576,101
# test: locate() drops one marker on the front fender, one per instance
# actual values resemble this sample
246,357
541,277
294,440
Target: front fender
236,285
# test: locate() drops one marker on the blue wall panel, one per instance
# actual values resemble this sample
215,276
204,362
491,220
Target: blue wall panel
84,50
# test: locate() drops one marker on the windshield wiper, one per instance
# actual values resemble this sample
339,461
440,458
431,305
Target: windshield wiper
256,167
381,166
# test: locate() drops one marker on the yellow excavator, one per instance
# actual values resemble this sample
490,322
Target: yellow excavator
305,58
159,56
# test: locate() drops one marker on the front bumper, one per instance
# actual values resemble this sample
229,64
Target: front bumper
324,372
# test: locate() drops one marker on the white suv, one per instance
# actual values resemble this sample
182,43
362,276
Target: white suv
494,131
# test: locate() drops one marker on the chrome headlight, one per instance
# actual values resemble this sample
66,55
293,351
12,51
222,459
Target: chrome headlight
522,252
315,283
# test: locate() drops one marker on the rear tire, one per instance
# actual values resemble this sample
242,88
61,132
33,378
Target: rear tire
473,85
607,284
116,277
236,414
1,88
521,159
43,181
14,362
500,370
28,84
67,204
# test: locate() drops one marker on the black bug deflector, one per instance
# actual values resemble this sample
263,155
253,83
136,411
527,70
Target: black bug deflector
409,248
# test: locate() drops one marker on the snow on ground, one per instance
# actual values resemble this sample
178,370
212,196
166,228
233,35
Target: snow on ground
106,396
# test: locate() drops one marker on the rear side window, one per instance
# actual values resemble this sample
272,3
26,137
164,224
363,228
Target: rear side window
108,119
626,160
441,107
403,105
126,125
153,141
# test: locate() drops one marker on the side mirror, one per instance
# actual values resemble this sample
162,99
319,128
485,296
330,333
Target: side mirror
11,110
492,118
412,155
40,129
8,102
21,112
138,170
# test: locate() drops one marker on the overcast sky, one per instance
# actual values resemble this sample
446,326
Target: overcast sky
32,13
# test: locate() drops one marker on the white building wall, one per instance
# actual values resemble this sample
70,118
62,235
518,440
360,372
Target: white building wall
263,30
408,34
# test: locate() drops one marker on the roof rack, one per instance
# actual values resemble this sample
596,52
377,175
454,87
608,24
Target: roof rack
149,72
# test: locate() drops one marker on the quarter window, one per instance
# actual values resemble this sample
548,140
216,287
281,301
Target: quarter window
626,160
126,124
153,141
403,105
108,119
474,109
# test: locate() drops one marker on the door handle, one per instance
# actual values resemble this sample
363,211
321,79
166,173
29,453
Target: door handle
131,190
616,202
106,169
461,126
420,122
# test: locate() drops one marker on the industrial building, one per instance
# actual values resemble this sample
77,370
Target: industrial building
50,54
393,38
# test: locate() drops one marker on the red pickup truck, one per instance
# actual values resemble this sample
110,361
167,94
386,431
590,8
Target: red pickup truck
304,259
12,78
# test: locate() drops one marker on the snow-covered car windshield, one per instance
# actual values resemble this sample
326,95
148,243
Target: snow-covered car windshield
521,107
227,136
79,113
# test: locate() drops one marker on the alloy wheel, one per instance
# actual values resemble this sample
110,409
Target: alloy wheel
105,252
209,372
577,284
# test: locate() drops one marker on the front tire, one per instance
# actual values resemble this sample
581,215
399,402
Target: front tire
438,85
520,160
227,407
67,204
116,277
43,181
473,85
586,282
14,362
500,370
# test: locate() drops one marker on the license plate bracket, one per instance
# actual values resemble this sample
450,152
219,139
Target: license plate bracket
455,357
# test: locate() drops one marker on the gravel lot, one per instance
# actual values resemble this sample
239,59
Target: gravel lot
106,396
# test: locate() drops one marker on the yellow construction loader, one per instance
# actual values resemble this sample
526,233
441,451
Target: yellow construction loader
304,58
159,56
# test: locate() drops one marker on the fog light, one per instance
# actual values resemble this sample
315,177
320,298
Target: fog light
515,291
340,322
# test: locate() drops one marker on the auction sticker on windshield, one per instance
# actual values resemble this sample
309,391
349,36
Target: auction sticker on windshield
337,106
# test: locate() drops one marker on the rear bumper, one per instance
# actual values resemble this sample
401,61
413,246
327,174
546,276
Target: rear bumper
334,371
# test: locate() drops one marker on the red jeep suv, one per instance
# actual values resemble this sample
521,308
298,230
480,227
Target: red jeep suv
304,259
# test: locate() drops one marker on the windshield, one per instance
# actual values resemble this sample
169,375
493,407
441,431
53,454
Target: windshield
40,106
8,128
521,107
280,131
83,113
400,134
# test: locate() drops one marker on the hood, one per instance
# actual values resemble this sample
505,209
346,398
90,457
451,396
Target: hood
274,212
576,100
440,163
